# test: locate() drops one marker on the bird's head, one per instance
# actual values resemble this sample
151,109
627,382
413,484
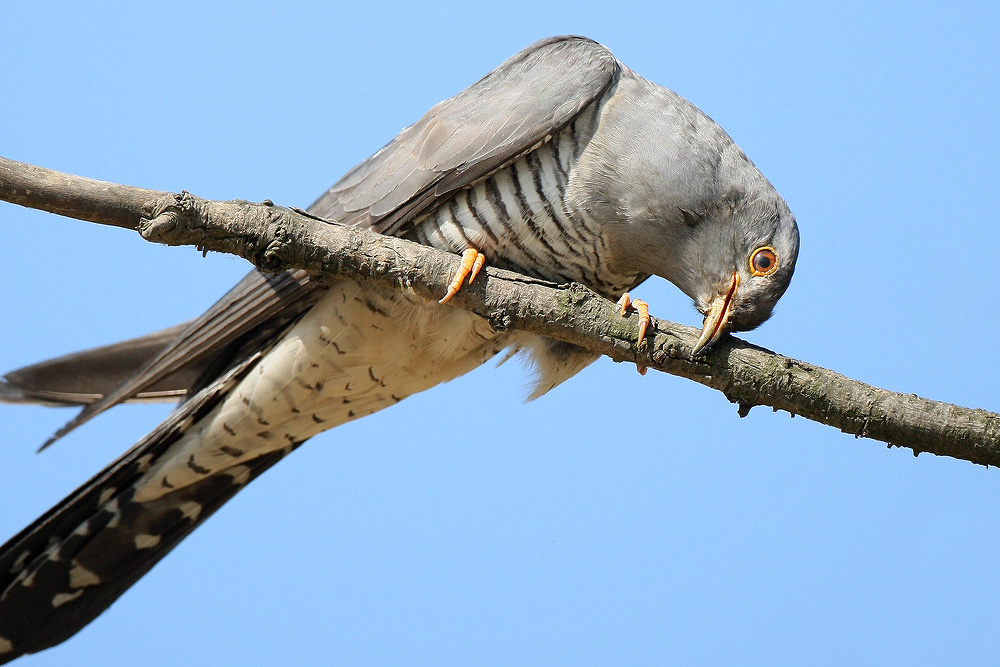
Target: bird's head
739,264
689,206
734,256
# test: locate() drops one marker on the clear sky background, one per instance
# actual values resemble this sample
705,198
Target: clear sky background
620,519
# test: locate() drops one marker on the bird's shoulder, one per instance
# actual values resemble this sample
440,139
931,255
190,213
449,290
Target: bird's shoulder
470,136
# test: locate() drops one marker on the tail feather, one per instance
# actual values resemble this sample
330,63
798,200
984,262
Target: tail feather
170,364
84,377
67,567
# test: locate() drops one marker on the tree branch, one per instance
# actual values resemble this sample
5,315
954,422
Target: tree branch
275,238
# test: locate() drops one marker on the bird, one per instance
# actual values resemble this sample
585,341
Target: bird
561,164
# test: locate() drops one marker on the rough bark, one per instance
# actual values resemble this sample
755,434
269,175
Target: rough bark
275,238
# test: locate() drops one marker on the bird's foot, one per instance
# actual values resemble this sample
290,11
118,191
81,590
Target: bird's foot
627,303
472,262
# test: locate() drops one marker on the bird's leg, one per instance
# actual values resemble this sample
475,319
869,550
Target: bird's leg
472,262
627,303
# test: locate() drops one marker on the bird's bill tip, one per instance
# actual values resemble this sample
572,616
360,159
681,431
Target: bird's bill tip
716,323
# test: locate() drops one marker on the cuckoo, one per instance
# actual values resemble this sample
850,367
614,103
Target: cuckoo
561,164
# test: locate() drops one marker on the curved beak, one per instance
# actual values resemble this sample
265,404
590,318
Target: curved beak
717,319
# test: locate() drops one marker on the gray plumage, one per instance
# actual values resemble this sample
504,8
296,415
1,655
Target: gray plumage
562,163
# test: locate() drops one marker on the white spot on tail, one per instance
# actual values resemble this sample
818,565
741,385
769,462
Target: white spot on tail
19,563
142,463
146,541
240,474
112,507
191,510
25,578
6,645
59,599
79,576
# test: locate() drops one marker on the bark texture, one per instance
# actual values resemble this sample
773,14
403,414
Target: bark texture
274,238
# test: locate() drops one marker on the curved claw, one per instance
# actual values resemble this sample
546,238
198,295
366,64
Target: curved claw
627,303
472,262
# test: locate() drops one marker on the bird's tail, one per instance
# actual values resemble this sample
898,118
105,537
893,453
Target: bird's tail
63,570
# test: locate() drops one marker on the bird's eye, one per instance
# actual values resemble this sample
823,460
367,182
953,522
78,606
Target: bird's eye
763,261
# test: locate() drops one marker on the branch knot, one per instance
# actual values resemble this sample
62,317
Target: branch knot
171,220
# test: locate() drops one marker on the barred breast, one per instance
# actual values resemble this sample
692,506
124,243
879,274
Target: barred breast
520,219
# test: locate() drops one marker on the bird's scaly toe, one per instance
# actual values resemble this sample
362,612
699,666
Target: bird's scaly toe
472,262
627,303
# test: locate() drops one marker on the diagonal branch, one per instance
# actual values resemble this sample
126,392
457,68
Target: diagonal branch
274,238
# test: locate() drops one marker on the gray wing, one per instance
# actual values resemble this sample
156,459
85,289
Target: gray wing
459,142
466,138
166,365
84,377
244,321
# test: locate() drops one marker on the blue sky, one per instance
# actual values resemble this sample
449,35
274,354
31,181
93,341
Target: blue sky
620,519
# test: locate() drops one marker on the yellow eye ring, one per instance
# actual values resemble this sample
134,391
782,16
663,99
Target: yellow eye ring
763,261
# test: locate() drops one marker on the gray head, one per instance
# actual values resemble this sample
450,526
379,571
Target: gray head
682,201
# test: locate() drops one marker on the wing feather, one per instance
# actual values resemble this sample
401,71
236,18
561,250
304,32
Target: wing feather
458,142
84,377
465,138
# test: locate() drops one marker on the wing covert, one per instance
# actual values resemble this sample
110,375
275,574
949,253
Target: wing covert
466,138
